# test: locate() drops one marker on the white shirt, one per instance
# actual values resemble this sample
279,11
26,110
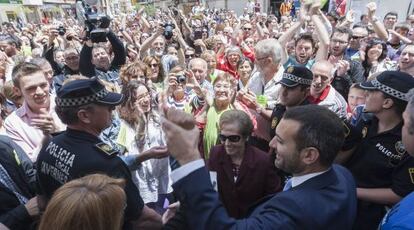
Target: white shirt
297,180
271,90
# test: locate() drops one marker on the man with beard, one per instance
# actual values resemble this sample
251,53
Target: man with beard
321,91
347,71
95,61
406,61
304,43
318,196
36,117
378,160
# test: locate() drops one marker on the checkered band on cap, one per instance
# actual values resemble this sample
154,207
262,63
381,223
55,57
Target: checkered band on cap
297,79
390,91
70,102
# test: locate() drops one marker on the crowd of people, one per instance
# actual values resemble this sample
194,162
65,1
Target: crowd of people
209,120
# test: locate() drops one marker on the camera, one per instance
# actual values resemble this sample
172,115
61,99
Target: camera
198,34
168,30
181,79
95,24
61,30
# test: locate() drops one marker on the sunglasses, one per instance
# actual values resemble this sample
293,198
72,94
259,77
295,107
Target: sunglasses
247,29
189,55
357,37
231,138
154,65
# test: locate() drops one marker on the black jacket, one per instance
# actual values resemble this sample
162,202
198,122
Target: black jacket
355,74
88,69
19,167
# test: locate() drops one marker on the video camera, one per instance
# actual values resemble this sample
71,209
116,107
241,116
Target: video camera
168,30
95,24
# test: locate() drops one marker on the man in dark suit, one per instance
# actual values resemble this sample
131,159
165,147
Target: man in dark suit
319,195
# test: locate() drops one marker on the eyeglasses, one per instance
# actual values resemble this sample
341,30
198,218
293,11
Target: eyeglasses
231,138
339,41
357,37
259,59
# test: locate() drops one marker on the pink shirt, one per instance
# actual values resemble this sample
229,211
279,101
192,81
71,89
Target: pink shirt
18,127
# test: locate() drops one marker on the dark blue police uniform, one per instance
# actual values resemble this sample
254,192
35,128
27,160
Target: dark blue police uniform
380,159
75,153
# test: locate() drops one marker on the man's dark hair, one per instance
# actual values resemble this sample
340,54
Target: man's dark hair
305,37
319,128
69,115
362,16
343,30
398,106
392,13
24,69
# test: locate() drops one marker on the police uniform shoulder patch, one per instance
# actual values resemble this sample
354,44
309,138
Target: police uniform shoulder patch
399,147
411,172
106,148
275,121
364,132
290,69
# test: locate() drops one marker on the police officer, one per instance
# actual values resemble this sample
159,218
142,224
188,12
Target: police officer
378,161
85,106
296,81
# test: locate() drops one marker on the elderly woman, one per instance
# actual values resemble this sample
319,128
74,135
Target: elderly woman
141,131
244,173
209,116
228,62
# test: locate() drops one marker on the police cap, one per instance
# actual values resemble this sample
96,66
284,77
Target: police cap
394,83
85,91
296,75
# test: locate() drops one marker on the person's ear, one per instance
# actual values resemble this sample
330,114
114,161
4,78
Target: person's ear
309,155
85,116
17,91
388,103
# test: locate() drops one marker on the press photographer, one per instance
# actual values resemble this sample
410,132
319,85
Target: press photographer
94,58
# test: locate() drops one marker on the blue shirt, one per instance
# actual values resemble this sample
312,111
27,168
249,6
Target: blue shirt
292,62
401,216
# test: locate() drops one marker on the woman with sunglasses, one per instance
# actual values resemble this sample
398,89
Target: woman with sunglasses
142,136
374,55
244,174
157,77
